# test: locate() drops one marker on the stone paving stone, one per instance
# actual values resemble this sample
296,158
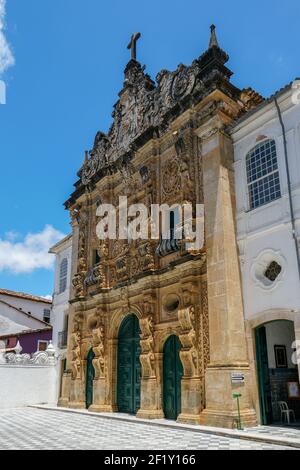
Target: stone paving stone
29,428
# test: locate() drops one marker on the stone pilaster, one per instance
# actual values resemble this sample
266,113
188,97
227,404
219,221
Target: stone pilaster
191,406
77,394
63,400
151,391
228,348
99,398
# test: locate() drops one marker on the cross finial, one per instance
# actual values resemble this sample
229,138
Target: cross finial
132,45
213,37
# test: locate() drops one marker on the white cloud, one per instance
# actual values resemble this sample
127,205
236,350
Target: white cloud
29,254
6,56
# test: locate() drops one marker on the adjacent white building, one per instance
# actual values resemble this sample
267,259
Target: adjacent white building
59,313
32,305
267,177
25,318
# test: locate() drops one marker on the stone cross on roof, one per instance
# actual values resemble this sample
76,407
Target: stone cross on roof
132,45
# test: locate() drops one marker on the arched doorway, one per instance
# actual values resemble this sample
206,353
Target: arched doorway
129,366
90,375
172,375
276,371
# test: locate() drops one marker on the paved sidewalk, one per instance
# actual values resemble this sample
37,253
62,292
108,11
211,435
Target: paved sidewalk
39,429
278,436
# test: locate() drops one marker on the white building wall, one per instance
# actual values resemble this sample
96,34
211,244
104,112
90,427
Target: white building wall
60,305
265,233
27,385
61,300
20,318
34,307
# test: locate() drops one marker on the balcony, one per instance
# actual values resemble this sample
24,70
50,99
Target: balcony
62,339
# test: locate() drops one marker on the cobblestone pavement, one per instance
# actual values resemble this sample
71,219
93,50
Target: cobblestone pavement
37,429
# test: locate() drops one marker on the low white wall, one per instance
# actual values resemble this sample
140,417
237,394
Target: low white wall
23,385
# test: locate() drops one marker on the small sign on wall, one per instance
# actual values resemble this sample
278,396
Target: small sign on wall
237,378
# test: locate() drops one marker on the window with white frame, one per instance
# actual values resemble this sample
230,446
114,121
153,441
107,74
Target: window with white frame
263,174
42,345
47,315
63,275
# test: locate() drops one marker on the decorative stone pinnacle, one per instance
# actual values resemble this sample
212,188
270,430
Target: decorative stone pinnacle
213,37
18,348
50,350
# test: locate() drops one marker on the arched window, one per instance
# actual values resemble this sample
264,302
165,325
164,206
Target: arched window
263,174
63,275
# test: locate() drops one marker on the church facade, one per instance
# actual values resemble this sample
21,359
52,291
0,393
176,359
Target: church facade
156,329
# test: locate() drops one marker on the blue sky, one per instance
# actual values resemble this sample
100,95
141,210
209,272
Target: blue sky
69,60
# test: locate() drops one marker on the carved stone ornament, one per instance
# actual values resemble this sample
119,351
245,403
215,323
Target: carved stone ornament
171,179
75,344
142,105
78,282
183,83
189,353
99,351
97,158
147,357
94,276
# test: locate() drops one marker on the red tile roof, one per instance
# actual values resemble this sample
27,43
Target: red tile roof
21,295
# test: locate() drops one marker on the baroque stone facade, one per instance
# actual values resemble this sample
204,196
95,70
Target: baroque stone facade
167,144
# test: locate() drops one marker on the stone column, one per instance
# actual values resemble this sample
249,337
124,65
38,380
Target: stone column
228,349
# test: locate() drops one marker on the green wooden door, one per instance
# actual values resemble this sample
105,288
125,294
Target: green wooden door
90,375
263,376
172,373
129,366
